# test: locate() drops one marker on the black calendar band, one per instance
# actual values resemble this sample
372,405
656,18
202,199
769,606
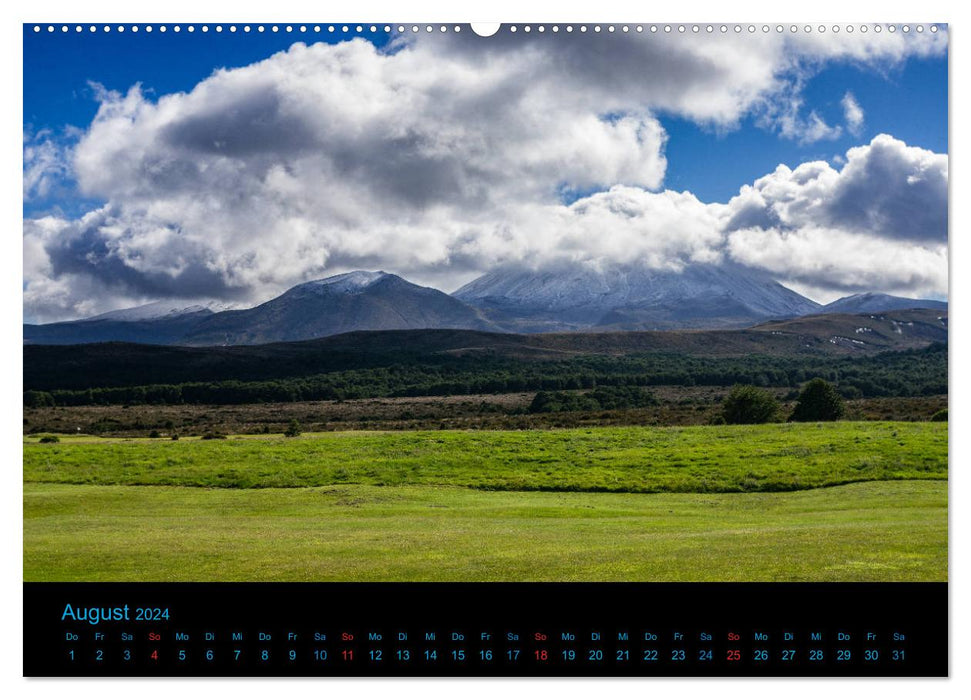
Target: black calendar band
496,629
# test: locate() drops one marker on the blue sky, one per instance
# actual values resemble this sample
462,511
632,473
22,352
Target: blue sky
599,147
909,102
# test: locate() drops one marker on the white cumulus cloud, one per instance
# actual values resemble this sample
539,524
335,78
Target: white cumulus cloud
441,157
879,222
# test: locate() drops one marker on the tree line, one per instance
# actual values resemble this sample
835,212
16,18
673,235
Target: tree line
909,373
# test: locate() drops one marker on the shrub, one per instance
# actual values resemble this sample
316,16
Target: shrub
600,399
213,436
559,401
37,399
293,428
819,401
49,439
940,416
154,434
851,392
746,405
175,436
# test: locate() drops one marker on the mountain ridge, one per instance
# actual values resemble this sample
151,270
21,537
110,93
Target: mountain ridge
350,302
510,300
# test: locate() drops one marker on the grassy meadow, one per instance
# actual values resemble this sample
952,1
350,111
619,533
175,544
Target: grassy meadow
883,531
772,457
823,502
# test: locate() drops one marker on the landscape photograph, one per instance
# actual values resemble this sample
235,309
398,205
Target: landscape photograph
362,303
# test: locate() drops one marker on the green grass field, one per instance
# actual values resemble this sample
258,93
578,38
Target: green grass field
696,459
600,504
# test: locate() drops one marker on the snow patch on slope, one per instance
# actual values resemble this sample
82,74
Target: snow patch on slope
159,310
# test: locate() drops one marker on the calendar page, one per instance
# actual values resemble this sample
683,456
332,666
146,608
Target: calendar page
544,349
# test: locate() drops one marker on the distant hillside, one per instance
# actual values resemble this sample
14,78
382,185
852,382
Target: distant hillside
157,331
875,303
158,323
122,364
873,332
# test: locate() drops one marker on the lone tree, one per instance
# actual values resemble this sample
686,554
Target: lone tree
293,429
746,405
818,401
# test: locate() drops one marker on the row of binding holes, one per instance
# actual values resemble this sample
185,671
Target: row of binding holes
414,28
724,28
302,28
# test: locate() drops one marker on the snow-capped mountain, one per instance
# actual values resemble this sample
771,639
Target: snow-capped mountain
355,301
632,297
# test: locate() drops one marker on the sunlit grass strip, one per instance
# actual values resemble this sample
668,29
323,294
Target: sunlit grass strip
698,459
